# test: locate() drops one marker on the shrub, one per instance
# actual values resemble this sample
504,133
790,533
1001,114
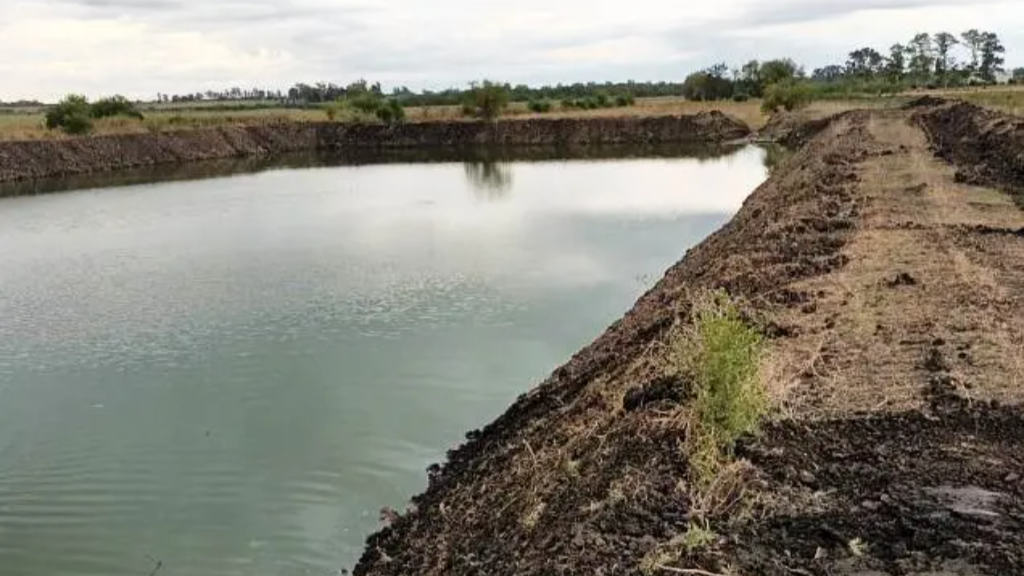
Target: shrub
787,95
391,111
623,100
601,100
115,106
331,110
73,115
740,97
367,103
539,106
721,354
486,100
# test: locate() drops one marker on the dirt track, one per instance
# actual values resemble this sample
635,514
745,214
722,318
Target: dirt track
893,293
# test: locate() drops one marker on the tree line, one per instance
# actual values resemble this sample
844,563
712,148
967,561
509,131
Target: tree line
940,60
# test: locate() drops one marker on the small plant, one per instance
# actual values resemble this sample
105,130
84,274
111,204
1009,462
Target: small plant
697,538
722,354
331,110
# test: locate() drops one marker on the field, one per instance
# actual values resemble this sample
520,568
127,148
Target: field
27,123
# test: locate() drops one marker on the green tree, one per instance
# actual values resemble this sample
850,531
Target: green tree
922,57
896,65
973,41
992,60
944,64
73,115
749,81
864,63
486,100
778,70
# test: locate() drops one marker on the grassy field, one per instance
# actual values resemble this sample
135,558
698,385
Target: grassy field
27,124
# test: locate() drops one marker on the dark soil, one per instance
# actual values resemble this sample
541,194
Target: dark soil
894,458
986,146
24,160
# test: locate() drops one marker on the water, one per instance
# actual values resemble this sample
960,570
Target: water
233,375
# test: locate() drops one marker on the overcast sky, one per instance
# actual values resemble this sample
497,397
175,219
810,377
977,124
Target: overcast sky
141,47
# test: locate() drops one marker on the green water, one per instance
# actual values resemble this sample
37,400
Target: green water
231,376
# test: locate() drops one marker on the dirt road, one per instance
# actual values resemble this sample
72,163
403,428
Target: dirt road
891,285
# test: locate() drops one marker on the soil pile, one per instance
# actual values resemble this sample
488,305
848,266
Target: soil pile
893,296
711,127
988,147
20,160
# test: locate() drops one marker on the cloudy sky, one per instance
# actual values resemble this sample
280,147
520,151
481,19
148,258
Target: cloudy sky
141,47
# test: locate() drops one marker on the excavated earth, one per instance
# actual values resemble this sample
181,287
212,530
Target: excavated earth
36,159
884,261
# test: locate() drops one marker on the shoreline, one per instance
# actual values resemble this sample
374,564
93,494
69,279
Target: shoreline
39,159
888,285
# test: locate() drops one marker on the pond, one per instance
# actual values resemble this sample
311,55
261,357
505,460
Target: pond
232,375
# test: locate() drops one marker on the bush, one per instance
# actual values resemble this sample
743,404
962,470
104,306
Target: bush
486,100
623,100
722,355
367,103
390,112
787,95
539,106
115,106
740,97
73,115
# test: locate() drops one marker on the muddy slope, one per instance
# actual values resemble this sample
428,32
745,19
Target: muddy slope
894,299
987,146
20,160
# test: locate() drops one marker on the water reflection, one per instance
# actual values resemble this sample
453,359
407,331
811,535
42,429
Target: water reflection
490,180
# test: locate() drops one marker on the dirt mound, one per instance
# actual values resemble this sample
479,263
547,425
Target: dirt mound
793,129
710,127
578,476
21,160
987,146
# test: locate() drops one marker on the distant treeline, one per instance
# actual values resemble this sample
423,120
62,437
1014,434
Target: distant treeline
941,60
321,92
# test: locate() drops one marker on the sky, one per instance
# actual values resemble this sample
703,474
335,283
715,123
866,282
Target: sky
143,47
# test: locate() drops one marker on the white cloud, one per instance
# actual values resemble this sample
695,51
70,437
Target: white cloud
140,47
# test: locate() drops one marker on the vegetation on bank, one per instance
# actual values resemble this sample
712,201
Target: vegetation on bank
719,355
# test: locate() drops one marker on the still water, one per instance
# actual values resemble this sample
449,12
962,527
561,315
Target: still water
231,376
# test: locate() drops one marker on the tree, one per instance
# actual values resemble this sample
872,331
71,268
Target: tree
944,43
896,65
749,80
922,56
710,84
831,73
1018,76
779,70
864,63
973,41
486,100
991,57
